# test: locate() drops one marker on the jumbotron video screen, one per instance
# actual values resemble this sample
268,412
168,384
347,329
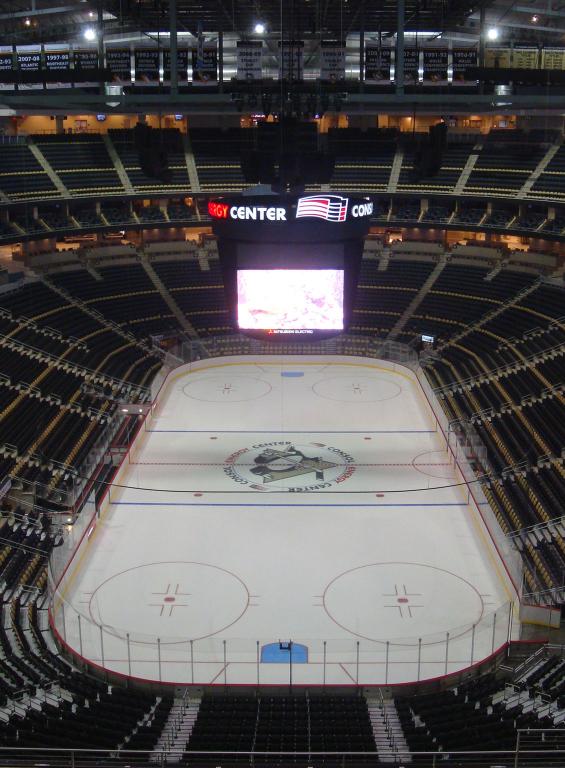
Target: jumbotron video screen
290,300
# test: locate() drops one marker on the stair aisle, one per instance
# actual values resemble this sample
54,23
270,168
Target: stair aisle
176,732
389,738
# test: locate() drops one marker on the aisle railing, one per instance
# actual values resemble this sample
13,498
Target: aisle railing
533,747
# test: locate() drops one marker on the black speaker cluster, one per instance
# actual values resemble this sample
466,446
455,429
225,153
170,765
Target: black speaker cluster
287,157
428,155
152,152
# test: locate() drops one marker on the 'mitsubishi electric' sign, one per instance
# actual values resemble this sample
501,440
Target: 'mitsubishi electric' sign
331,208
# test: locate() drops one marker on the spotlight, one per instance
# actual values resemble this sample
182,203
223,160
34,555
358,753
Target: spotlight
259,28
89,34
91,14
492,33
27,22
535,18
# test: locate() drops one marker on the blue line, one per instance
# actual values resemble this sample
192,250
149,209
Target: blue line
275,432
234,504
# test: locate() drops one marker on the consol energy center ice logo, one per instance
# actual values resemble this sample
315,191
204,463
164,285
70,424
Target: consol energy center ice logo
284,466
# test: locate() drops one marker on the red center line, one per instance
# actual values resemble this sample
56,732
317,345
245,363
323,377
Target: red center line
253,464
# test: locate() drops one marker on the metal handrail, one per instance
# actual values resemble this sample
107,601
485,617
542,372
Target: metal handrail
546,525
97,754
81,370
480,378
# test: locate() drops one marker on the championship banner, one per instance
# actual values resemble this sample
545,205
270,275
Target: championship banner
411,60
85,65
291,59
525,57
182,65
58,68
249,60
6,69
332,61
29,61
29,64
146,66
463,58
553,58
498,58
85,61
118,61
205,66
377,64
435,66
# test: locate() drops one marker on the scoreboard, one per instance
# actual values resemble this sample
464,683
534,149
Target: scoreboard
291,263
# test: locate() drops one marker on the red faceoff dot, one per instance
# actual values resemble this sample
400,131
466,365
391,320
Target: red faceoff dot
169,599
402,600
198,494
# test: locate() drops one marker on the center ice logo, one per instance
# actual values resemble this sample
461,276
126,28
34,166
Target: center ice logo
277,466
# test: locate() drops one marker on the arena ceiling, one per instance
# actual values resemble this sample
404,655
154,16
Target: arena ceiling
36,21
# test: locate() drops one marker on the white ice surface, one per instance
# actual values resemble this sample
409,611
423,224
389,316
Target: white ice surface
377,555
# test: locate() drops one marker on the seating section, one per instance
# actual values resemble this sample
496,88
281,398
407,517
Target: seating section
531,217
551,182
453,162
383,296
114,213
501,375
503,166
296,723
82,163
454,159
170,140
179,212
440,310
21,175
151,214
475,716
55,217
217,155
543,676
125,295
472,215
199,293
23,220
404,211
49,348
363,161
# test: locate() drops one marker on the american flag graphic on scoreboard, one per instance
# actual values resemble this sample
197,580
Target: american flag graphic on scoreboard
328,207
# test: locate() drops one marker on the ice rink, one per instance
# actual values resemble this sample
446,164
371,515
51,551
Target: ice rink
287,507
